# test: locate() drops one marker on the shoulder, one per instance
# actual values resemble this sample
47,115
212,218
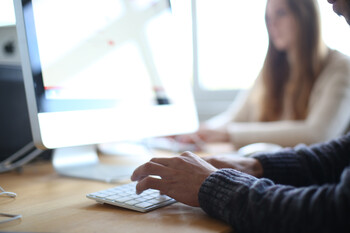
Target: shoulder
338,60
336,70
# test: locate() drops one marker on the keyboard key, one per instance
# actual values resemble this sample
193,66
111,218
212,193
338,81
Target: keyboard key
124,199
132,202
144,204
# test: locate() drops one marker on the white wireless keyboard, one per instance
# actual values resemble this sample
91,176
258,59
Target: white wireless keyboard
125,196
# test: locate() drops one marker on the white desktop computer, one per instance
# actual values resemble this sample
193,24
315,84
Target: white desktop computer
102,71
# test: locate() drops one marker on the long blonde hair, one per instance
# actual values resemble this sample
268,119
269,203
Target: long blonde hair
283,86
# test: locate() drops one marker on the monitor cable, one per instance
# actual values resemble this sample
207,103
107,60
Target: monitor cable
10,217
20,158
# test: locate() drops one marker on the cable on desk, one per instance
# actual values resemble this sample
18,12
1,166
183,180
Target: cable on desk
11,217
9,194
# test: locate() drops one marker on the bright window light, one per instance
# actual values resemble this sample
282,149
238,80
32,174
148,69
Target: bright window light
232,41
336,32
7,13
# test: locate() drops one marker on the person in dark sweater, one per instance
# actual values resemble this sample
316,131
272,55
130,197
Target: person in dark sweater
300,189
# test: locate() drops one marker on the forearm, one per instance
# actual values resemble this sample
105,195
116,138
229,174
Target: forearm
283,133
258,205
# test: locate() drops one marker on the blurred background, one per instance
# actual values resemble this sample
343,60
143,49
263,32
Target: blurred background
230,42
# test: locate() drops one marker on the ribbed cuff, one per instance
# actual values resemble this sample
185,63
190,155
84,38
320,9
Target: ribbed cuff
282,167
222,190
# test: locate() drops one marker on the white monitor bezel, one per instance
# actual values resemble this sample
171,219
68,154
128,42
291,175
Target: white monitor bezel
73,128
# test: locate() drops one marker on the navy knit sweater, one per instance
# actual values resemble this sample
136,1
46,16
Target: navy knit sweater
304,189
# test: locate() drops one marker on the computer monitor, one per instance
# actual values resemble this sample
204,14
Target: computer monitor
100,71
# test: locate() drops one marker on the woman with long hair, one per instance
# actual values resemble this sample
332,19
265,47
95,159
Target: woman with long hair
301,93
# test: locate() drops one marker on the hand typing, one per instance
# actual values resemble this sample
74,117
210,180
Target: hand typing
180,177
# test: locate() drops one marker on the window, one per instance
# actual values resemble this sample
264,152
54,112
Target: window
231,42
336,32
7,13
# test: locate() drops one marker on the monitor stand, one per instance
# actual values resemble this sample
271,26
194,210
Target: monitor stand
83,162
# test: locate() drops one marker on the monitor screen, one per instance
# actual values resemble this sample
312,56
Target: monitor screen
106,70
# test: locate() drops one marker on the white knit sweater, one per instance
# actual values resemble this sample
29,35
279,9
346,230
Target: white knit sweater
328,117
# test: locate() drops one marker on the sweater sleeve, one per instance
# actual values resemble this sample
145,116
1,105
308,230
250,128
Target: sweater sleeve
320,203
254,205
328,115
317,164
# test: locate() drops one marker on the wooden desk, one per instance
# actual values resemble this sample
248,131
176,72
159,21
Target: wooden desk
51,203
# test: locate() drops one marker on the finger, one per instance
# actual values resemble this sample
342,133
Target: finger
149,168
163,161
173,162
150,183
189,155
192,159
